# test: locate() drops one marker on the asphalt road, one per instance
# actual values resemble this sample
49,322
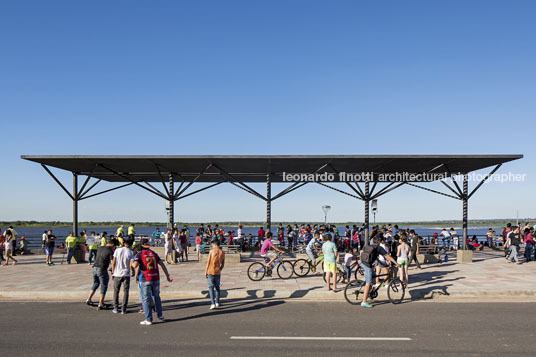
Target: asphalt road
429,328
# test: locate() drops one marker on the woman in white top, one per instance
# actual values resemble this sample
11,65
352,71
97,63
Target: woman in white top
403,253
168,246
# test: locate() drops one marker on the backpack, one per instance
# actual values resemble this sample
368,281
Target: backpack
369,254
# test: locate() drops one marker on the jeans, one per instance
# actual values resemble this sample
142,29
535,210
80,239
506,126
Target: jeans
150,290
70,252
347,272
414,258
528,251
118,281
92,254
513,254
100,278
214,288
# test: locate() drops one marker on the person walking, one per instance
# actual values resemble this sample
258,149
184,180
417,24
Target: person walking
146,265
512,242
414,249
70,244
121,275
183,240
215,264
168,247
2,246
50,245
100,272
8,245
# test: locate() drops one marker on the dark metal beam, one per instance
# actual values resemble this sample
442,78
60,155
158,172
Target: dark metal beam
126,177
387,189
234,181
465,200
58,182
484,180
89,189
450,188
201,189
105,191
193,181
75,204
268,203
289,189
430,190
86,181
336,189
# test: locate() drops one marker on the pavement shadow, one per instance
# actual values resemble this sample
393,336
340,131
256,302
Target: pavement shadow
228,307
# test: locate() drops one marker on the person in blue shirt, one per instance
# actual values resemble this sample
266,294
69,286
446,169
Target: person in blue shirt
331,255
156,237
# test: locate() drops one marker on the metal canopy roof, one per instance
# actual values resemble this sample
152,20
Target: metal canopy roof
255,168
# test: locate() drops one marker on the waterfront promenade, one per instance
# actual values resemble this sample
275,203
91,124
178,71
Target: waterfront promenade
488,278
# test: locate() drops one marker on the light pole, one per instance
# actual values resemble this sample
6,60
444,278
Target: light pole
326,209
374,204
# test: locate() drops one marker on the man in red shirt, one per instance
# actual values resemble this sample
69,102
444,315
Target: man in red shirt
261,233
148,276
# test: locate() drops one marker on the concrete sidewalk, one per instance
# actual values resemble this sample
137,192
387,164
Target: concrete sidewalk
488,278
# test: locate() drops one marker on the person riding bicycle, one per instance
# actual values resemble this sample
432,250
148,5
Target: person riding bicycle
368,257
312,250
266,245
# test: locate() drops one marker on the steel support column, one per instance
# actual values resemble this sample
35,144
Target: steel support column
367,213
171,201
75,204
268,203
465,198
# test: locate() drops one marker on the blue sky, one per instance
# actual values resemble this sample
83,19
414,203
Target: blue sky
265,77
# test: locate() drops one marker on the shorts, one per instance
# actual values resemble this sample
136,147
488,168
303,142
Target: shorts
381,265
184,247
402,262
369,273
49,250
197,247
8,246
310,254
269,256
330,267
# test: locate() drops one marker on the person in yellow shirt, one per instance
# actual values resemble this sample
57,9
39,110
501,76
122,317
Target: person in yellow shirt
120,230
70,243
131,232
103,239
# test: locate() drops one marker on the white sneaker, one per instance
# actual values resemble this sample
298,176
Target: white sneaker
145,322
217,305
212,307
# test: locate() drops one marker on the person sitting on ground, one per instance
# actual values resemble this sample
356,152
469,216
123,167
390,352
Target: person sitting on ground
474,243
269,258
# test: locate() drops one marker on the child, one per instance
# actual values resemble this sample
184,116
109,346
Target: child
348,257
198,245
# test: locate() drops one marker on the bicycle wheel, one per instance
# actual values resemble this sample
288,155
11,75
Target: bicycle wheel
353,292
339,275
396,291
256,271
285,269
301,267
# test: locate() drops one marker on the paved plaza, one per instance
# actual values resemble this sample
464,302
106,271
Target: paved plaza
488,278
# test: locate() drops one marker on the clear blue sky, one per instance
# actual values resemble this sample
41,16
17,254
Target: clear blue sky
265,77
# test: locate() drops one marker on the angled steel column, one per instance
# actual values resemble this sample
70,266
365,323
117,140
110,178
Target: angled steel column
268,203
367,206
465,198
171,201
75,204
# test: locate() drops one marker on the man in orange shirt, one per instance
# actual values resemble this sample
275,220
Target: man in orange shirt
215,263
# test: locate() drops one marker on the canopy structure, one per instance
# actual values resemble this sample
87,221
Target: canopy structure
361,173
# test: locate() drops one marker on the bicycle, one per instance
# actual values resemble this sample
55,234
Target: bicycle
341,274
303,266
354,290
284,268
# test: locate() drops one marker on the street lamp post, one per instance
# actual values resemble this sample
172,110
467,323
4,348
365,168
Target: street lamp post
326,209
